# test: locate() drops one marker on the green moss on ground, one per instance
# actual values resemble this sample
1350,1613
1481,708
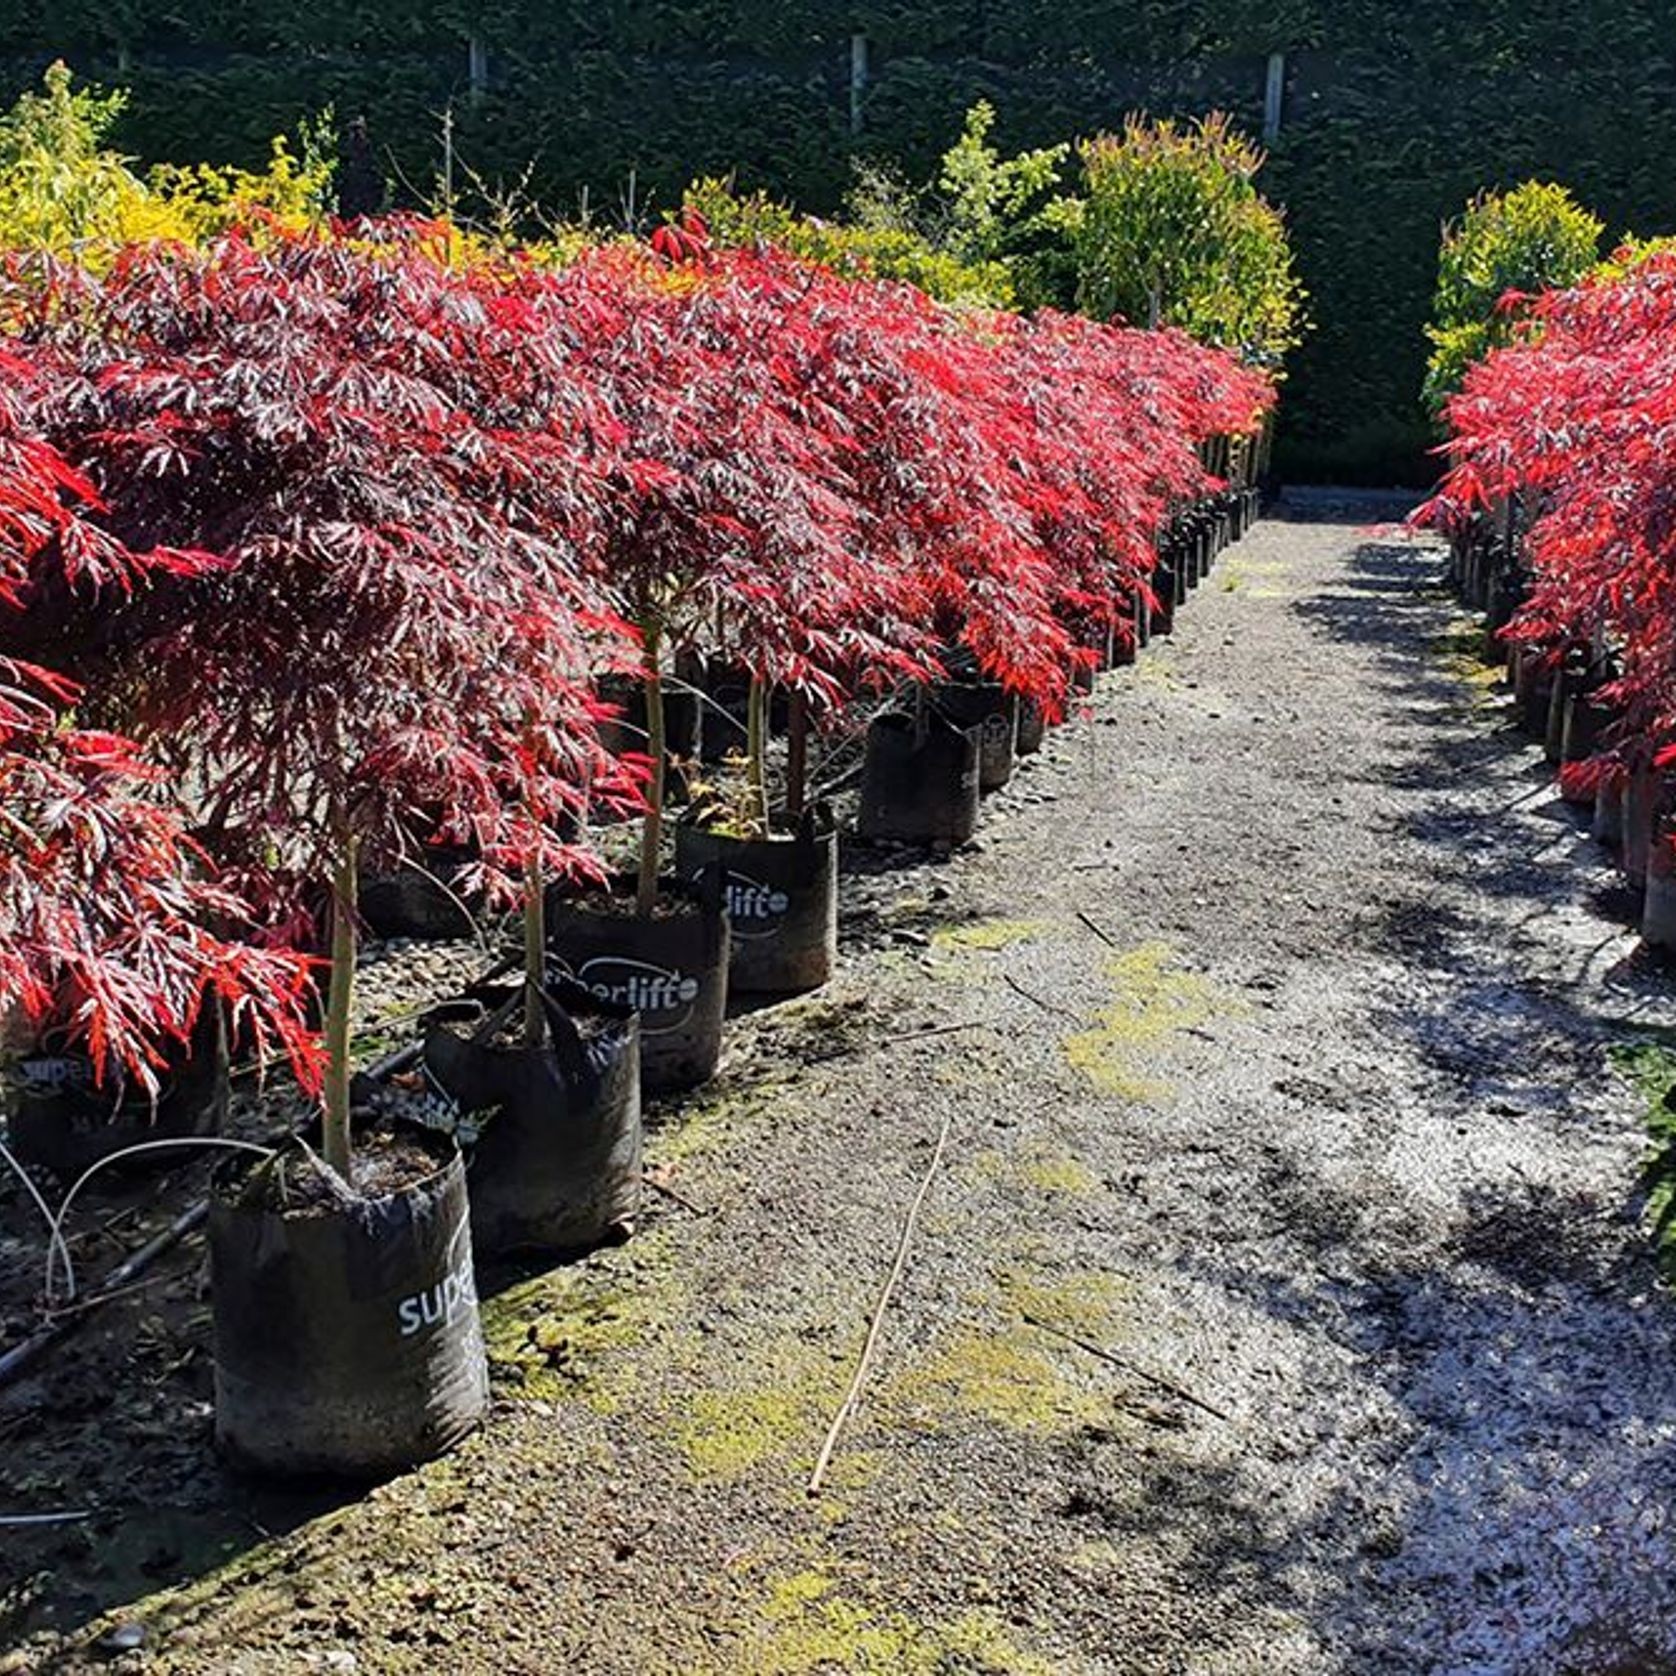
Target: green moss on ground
1649,1067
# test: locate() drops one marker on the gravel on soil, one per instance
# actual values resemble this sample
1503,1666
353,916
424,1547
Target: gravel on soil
1282,1305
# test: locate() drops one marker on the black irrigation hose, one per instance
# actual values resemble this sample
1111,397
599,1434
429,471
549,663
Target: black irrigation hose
130,1269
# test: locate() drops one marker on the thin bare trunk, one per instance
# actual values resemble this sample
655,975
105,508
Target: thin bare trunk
340,998
651,831
797,756
535,954
756,750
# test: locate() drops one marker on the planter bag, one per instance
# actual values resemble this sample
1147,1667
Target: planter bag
347,1340
919,782
1032,728
556,1166
61,1120
670,970
414,903
987,708
782,901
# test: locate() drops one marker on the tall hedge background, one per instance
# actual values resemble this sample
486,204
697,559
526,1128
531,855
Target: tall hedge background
1393,114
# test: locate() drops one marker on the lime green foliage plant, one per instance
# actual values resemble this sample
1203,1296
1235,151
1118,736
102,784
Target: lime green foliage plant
749,220
1172,231
1533,239
64,189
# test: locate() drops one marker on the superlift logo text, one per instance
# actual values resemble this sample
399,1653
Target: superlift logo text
663,998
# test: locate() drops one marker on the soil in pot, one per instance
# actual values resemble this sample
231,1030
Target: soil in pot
782,900
671,968
989,710
556,1163
347,1339
62,1119
919,781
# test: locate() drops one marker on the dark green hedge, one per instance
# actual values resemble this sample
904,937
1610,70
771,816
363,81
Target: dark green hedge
1394,114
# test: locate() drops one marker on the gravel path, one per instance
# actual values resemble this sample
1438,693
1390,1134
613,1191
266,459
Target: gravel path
1280,1306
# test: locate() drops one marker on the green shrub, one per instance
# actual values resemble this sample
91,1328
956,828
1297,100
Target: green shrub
1528,240
1172,231
882,252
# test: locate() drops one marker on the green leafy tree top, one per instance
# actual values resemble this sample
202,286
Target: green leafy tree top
1172,231
1535,238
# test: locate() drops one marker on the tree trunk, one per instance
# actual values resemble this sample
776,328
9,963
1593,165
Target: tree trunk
340,997
797,756
756,749
535,954
651,830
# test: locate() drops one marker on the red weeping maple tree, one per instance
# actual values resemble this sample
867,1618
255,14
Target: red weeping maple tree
1579,423
104,902
394,466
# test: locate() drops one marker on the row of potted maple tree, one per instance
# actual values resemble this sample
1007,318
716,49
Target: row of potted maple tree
1561,504
317,553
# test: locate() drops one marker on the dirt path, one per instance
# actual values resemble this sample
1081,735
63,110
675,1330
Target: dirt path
1312,1134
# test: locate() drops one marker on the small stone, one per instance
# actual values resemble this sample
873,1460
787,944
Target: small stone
127,1637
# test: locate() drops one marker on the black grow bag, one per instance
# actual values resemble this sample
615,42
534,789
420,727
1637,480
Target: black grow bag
417,901
347,1339
60,1119
989,710
1032,728
671,969
919,782
626,734
782,901
556,1166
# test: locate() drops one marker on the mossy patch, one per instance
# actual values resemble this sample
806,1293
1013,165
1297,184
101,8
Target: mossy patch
565,1334
1046,1172
709,1124
777,1417
1649,1067
1007,1371
1460,649
1152,998
988,936
810,1622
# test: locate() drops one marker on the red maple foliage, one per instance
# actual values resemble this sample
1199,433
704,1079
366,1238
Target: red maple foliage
393,467
1577,426
105,904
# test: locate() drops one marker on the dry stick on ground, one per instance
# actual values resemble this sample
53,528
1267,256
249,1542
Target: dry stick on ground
853,1396
892,1041
1123,1362
1104,936
1013,984
672,1194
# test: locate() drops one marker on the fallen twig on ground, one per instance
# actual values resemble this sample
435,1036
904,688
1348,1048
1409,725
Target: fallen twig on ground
1123,1362
1013,984
1104,936
853,1395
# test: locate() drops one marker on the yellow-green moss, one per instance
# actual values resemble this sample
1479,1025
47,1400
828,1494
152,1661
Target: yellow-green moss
1003,1374
778,1417
565,1334
1059,1175
810,1623
988,936
1460,650
1151,999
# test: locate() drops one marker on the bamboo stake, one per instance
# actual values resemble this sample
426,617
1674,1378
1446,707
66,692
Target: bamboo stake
853,1396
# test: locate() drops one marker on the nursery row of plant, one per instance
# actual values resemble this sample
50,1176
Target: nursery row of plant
1560,506
333,556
